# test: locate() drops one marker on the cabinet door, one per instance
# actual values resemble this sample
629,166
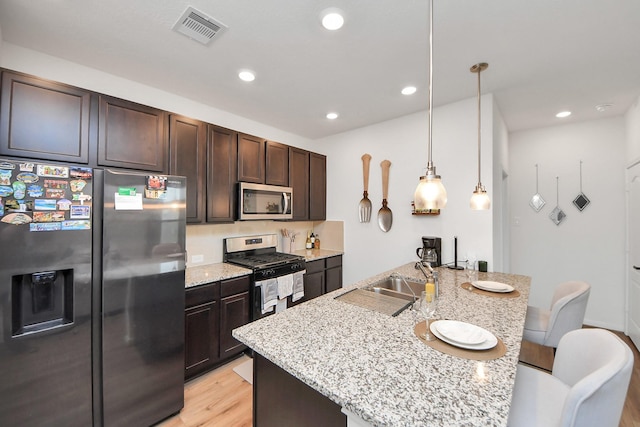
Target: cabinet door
221,174
299,181
202,338
131,135
277,164
187,150
40,119
317,187
234,313
251,159
313,286
333,278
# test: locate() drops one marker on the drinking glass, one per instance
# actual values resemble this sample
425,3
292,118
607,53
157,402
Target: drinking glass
470,270
428,303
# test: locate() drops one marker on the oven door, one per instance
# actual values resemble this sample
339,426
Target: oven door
259,202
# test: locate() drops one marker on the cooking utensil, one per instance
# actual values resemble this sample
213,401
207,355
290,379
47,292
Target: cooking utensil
385,217
581,201
537,202
364,207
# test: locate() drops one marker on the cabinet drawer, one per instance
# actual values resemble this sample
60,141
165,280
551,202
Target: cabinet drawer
334,261
202,294
315,266
234,286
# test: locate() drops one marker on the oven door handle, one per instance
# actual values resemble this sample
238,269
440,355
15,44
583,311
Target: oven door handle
285,197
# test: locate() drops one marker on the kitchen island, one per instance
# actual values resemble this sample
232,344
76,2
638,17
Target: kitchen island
371,369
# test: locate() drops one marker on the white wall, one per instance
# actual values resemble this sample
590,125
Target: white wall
632,123
403,141
587,245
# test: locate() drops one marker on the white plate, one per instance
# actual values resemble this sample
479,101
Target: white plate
486,285
490,339
461,332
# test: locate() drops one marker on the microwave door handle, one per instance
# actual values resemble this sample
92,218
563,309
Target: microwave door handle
286,203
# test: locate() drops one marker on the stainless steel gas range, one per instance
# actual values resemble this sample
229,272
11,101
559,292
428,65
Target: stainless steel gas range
270,268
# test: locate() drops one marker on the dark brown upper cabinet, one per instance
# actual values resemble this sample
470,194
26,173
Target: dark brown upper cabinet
317,187
45,120
299,181
187,157
251,164
277,164
131,135
222,161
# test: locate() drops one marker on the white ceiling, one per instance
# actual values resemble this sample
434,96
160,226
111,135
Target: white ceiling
543,55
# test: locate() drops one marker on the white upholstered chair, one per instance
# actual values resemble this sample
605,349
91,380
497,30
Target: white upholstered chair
587,387
568,305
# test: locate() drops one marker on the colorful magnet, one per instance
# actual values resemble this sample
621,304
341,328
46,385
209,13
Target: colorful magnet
80,212
45,204
28,177
5,177
54,193
7,165
27,167
55,216
127,191
77,185
64,204
16,219
35,190
1,207
19,190
56,183
5,191
155,194
80,173
45,226
80,197
156,182
53,171
78,224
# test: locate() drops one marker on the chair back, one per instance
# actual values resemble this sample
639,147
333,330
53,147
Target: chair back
568,306
597,365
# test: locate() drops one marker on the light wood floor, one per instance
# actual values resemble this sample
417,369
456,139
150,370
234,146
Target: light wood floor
223,398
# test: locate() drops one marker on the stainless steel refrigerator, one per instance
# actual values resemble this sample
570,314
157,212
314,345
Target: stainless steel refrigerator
91,296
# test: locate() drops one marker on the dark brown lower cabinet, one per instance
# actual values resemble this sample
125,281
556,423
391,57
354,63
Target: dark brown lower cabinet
323,275
212,311
280,399
333,273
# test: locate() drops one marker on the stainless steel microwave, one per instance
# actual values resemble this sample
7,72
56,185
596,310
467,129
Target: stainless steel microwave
259,201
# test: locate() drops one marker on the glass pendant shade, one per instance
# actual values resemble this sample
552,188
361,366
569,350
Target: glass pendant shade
480,199
430,194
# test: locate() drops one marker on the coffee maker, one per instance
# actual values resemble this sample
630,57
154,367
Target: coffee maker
431,251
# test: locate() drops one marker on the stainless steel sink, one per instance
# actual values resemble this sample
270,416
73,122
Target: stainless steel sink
397,286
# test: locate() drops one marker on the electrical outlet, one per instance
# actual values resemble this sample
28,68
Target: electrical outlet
197,258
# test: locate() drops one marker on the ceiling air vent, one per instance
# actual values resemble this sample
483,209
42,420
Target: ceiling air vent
198,26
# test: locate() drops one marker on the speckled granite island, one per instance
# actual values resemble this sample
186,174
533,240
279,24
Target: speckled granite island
371,366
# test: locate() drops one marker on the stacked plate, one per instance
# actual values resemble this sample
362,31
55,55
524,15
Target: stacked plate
489,286
463,335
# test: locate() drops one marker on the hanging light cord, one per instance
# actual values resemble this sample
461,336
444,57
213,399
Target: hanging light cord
557,191
479,125
581,176
536,178
429,162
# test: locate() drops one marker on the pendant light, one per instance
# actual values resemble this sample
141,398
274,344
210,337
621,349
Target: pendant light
479,200
430,194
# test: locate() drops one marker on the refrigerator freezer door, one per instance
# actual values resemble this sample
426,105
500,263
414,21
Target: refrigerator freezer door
45,300
143,292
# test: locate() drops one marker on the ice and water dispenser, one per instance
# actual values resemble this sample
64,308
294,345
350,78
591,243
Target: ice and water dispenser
41,300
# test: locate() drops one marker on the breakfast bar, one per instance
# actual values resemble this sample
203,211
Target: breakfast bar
370,368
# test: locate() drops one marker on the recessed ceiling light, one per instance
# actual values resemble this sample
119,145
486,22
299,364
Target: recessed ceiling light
563,114
332,19
332,116
409,90
603,107
246,76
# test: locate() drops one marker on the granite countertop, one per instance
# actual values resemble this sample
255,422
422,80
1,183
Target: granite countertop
373,365
315,254
202,274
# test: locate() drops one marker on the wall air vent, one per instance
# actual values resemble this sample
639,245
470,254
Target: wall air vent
198,26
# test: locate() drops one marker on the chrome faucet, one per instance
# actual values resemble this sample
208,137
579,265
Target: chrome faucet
396,274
